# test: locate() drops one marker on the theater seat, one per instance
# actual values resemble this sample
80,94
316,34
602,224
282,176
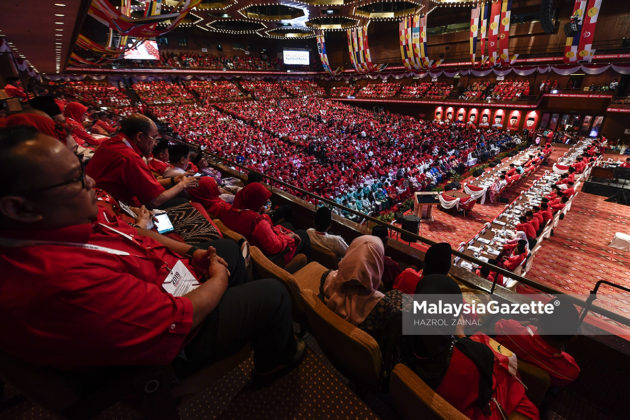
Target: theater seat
264,268
353,351
536,380
226,231
309,277
154,389
324,256
414,399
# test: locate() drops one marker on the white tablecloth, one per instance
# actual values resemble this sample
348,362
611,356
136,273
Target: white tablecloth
621,241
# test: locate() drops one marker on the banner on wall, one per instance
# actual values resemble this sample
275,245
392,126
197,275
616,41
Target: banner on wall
449,113
485,118
461,115
531,120
497,120
514,120
359,51
438,113
472,115
405,53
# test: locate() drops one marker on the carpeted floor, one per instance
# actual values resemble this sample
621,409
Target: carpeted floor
578,255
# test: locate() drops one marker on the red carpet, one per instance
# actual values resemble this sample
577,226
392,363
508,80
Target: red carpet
578,255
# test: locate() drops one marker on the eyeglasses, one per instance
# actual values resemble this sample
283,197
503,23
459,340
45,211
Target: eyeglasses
80,178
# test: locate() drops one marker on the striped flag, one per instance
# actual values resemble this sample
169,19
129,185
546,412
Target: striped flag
493,33
504,32
474,30
485,11
588,30
572,42
402,33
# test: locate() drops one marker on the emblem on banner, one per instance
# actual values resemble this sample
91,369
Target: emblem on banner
505,21
583,53
473,28
592,12
493,26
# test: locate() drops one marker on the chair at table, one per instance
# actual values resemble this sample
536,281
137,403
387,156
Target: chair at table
414,399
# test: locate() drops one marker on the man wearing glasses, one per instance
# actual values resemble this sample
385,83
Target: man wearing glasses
81,290
118,168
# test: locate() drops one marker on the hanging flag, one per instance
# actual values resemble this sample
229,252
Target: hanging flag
360,51
493,32
416,41
153,8
474,30
504,32
402,33
485,11
351,50
588,30
423,42
572,43
323,55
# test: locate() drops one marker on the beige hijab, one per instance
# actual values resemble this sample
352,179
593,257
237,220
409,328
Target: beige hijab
351,291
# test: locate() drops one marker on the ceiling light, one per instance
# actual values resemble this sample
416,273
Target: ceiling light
58,34
58,23
59,14
60,4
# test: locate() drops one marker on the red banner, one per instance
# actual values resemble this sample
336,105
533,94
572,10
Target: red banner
504,32
588,30
493,31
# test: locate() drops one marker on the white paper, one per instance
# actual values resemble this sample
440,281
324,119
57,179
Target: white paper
180,280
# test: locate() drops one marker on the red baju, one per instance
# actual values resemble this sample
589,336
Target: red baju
118,168
529,346
75,305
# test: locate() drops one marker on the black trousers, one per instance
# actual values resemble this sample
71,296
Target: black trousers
258,312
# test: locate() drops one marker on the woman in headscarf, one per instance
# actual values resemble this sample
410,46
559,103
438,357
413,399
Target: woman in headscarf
207,193
352,290
464,372
246,217
437,260
75,113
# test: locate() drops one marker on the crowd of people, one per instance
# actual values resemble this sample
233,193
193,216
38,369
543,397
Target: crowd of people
187,60
101,259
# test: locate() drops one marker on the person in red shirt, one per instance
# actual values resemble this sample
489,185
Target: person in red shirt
626,164
557,206
538,215
464,372
535,222
83,290
570,191
118,168
543,344
528,228
246,217
75,114
158,161
546,213
437,260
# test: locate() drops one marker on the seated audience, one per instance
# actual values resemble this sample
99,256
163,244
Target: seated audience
352,292
159,158
179,158
75,116
392,268
99,298
543,344
464,372
118,168
437,260
246,217
319,235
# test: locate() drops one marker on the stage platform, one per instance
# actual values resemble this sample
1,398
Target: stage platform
605,188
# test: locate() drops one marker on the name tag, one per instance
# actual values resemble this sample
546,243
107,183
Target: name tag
180,280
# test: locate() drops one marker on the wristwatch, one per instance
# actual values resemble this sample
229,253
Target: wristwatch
192,250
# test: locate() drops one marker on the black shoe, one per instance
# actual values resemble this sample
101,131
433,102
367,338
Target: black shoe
267,377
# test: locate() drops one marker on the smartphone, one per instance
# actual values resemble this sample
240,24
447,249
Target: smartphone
163,223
